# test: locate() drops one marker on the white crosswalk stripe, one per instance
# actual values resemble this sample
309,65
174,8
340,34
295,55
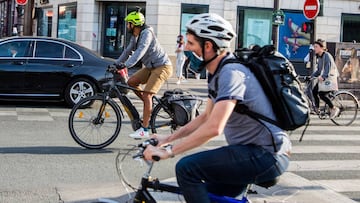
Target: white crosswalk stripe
329,155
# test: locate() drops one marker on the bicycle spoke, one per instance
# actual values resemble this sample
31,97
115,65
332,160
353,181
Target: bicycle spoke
348,106
161,121
91,130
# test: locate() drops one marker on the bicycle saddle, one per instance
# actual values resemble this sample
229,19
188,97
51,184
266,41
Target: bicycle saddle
268,183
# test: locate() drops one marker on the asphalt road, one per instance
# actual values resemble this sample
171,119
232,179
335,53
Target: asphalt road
40,162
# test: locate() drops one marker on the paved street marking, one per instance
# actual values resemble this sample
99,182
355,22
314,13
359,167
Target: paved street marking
341,185
324,165
325,149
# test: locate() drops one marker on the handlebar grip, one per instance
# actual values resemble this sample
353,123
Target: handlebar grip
155,158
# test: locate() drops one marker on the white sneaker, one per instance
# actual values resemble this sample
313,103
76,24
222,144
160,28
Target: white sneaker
139,134
334,112
178,82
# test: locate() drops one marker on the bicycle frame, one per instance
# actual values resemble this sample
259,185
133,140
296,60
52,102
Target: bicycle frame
143,195
129,108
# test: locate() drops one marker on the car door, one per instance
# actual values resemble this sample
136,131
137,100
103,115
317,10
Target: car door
50,69
13,61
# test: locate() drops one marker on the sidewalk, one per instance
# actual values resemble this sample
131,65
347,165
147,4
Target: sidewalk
290,189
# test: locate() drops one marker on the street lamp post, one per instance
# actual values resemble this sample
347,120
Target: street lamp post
275,28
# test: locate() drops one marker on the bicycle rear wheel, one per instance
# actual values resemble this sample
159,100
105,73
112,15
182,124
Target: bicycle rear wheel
94,127
162,121
348,105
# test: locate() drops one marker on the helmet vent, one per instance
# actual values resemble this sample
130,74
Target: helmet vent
216,28
230,34
194,21
205,32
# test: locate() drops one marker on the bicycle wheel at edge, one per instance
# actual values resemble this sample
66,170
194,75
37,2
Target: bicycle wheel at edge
161,121
348,105
88,134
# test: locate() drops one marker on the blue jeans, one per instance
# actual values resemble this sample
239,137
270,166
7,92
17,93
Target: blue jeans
226,171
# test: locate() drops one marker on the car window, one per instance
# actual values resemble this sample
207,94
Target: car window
71,54
14,49
49,50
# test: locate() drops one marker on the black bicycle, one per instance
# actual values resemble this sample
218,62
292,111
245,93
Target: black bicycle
150,185
344,100
95,122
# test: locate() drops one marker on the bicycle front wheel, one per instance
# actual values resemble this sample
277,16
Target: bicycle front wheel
348,105
162,121
96,126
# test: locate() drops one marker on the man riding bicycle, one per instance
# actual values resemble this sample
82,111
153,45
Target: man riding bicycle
144,47
257,151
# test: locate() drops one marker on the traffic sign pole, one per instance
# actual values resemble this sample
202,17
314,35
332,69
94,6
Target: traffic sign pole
311,10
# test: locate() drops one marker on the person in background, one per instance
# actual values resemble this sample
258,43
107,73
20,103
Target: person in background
325,66
12,51
180,58
144,47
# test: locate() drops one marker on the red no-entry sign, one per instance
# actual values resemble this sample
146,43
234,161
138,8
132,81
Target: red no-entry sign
311,9
21,2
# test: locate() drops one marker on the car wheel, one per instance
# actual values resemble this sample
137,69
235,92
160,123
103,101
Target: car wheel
78,89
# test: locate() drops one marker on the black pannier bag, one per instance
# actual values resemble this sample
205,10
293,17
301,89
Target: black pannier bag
184,106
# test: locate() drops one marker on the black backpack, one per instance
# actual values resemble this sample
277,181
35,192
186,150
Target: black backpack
280,83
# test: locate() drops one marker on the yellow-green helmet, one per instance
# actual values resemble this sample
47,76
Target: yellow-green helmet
136,18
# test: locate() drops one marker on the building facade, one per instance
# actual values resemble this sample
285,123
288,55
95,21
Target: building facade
99,25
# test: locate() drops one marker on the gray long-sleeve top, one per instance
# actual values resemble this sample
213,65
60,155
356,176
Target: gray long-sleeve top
324,61
147,49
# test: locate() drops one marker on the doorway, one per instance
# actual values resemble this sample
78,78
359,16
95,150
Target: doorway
116,37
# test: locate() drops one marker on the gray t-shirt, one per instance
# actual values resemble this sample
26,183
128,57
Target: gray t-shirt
237,82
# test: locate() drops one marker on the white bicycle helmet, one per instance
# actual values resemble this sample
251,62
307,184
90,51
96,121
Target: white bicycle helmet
212,26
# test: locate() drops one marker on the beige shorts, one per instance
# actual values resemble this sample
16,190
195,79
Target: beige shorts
154,78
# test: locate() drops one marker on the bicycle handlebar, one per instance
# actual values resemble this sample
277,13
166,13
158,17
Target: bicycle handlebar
113,68
142,146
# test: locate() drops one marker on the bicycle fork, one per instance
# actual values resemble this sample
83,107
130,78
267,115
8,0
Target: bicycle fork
99,118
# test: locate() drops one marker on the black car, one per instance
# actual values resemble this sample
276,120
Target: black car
48,68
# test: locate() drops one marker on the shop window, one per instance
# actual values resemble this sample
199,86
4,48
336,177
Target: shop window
350,28
254,27
187,12
67,22
116,36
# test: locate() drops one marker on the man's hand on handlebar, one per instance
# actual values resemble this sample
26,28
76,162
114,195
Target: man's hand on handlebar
151,150
114,68
162,139
154,153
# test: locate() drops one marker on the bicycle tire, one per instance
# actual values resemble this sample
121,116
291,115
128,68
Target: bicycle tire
348,105
162,121
88,134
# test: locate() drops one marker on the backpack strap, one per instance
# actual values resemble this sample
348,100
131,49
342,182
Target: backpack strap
242,108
